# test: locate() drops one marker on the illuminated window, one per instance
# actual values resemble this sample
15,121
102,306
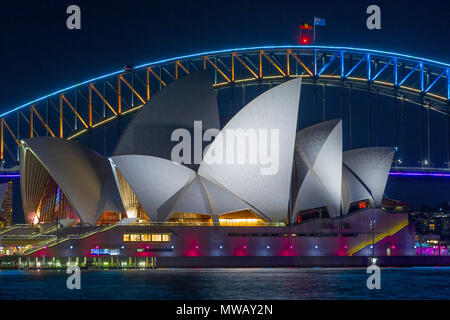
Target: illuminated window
188,218
135,237
241,218
156,237
146,237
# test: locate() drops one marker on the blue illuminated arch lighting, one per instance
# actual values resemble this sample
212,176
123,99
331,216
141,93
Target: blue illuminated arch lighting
224,51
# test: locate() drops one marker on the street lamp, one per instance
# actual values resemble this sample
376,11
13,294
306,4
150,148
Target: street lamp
372,228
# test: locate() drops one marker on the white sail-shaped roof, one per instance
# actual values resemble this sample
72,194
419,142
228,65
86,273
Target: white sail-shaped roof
352,190
83,175
177,106
110,200
371,167
193,199
318,159
204,197
223,201
153,180
265,187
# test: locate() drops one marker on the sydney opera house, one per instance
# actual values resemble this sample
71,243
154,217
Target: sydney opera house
181,185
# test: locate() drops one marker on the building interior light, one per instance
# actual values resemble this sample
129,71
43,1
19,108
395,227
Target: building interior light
250,220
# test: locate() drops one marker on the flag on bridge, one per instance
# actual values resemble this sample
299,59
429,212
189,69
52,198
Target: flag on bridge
305,33
319,21
306,26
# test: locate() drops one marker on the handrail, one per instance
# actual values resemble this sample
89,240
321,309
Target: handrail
54,242
378,237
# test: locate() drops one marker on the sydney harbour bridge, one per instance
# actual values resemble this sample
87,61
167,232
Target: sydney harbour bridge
383,98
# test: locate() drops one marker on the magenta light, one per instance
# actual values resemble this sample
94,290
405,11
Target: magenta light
345,247
291,246
393,247
245,247
196,247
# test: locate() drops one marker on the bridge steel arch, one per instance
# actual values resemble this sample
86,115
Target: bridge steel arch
80,109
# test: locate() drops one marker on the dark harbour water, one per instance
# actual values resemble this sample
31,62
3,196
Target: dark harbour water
177,284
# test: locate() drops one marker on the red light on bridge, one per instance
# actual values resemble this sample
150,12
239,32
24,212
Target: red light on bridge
304,41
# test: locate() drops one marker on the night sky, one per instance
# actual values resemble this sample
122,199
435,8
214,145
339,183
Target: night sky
40,55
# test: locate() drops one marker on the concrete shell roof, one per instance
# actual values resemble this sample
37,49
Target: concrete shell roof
275,109
371,166
177,106
311,166
84,176
318,159
154,181
164,187
352,190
